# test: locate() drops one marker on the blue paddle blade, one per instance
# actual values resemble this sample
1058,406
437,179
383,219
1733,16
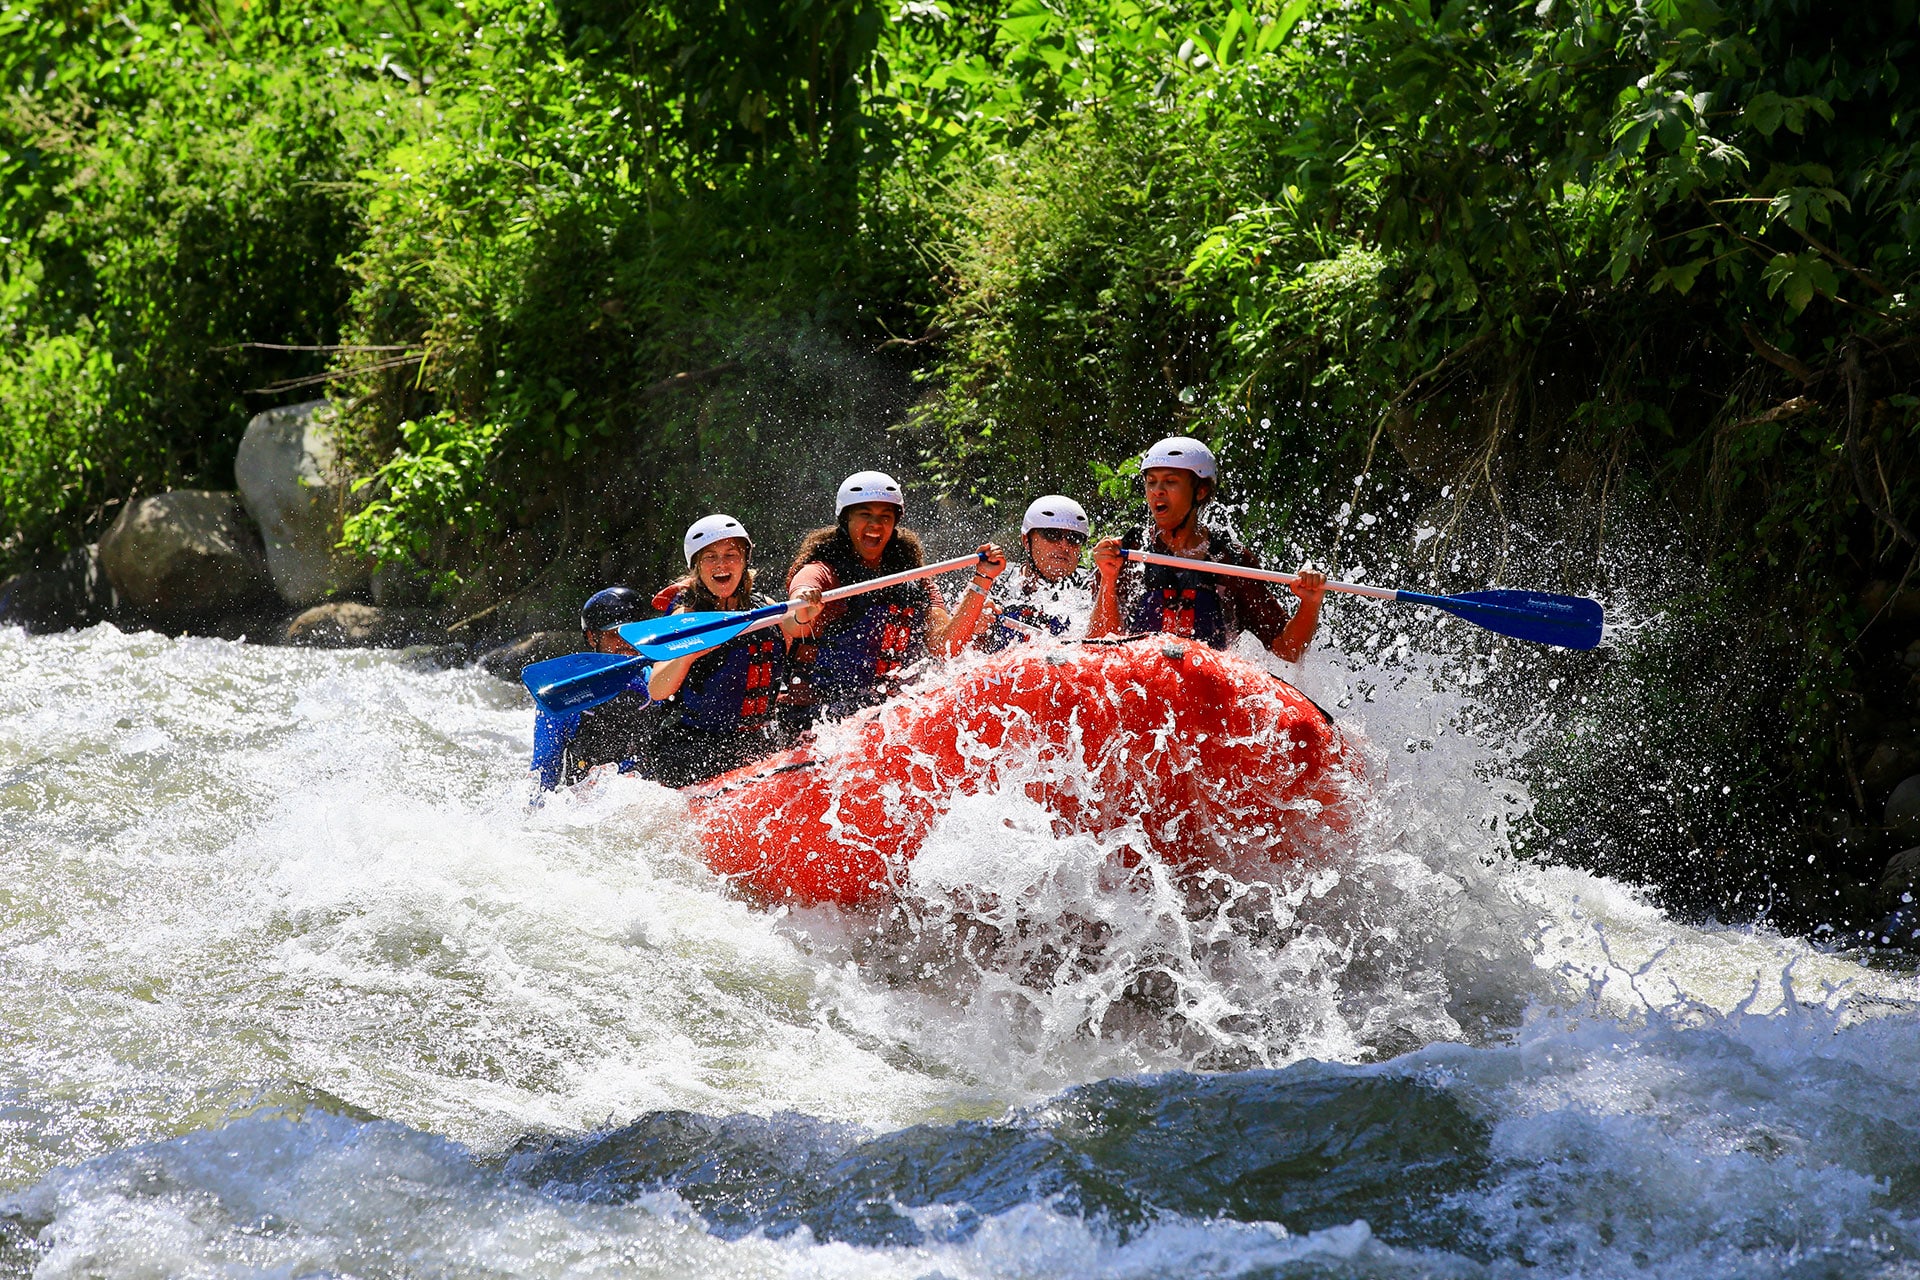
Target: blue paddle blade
579,680
685,644
681,634
1567,622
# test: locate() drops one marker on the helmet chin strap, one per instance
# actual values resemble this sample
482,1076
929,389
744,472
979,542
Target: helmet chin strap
1193,507
1192,518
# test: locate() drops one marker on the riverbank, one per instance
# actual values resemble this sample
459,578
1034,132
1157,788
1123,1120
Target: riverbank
262,562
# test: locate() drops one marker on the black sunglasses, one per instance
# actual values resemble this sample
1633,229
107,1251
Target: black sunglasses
1060,535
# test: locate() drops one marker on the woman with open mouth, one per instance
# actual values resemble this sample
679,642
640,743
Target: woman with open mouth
855,651
720,705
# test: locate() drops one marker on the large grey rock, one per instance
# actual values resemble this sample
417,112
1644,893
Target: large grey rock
344,624
1900,881
75,593
288,470
187,551
1903,807
1888,763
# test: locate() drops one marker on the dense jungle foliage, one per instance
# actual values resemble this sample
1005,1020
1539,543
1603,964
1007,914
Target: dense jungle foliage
1591,295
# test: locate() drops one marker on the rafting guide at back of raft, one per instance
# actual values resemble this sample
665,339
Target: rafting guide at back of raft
1180,477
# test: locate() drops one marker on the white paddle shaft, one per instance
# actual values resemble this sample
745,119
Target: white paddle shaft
1258,575
877,584
895,579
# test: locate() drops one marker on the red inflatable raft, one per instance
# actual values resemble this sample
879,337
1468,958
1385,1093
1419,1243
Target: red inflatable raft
1206,756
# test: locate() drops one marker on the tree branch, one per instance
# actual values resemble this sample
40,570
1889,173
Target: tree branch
1857,273
1851,363
332,375
1785,409
933,333
282,346
1775,356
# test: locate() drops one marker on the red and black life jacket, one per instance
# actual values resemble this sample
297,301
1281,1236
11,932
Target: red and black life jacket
1179,602
732,688
850,658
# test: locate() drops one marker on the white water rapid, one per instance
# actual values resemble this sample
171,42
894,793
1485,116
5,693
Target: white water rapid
294,981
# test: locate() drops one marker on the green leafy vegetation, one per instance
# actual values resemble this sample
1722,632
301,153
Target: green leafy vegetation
166,194
1598,296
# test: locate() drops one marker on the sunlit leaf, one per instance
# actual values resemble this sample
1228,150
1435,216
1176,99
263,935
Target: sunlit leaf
1798,277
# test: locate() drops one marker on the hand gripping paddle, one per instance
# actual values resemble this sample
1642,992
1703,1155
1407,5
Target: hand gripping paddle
1569,622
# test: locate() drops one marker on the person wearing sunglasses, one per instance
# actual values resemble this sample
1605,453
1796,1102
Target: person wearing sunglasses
1051,594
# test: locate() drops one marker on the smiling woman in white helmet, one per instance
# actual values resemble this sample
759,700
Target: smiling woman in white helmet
852,654
719,705
1178,476
1050,593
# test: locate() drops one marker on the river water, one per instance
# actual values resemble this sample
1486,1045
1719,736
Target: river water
294,981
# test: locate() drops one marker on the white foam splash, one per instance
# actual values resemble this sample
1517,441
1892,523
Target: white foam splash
225,866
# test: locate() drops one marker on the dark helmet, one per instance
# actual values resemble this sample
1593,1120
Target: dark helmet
605,610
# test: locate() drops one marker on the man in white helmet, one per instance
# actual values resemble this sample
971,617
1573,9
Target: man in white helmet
850,658
1178,477
1050,593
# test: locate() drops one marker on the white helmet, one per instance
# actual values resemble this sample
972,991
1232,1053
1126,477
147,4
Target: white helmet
1055,512
1183,452
869,486
707,530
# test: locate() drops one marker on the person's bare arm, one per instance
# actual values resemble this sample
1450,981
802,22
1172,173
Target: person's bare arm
813,578
1292,642
807,608
666,677
949,633
1105,618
